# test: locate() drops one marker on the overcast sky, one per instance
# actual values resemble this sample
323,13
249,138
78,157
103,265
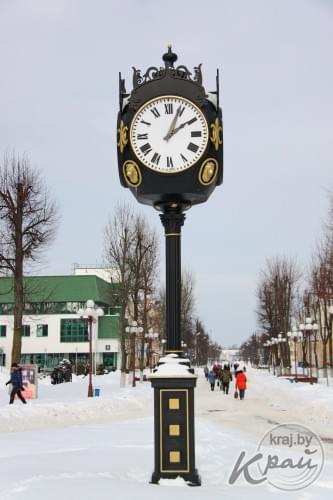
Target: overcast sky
59,63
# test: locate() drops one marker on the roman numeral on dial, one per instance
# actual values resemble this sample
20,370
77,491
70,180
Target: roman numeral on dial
192,147
168,108
169,161
142,137
156,158
146,148
155,112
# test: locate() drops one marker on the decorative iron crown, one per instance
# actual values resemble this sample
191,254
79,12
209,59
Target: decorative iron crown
166,76
154,73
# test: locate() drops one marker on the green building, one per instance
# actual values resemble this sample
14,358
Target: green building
52,329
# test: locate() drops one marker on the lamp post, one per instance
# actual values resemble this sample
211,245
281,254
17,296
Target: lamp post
45,358
133,329
295,336
270,361
196,336
282,341
163,343
312,327
91,314
331,333
183,346
274,343
75,360
307,329
267,344
150,336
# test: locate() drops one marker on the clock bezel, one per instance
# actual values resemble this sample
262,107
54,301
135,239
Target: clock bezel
170,96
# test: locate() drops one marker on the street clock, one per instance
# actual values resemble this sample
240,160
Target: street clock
170,155
169,136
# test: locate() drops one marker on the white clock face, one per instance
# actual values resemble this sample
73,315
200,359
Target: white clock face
169,134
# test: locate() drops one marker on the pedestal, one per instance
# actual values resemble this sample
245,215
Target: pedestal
174,426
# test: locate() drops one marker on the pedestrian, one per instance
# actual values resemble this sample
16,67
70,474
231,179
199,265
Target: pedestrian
206,371
212,378
241,383
226,378
16,384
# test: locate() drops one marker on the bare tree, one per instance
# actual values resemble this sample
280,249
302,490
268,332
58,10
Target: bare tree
186,309
187,306
200,343
321,287
276,295
149,267
118,241
143,264
28,219
131,250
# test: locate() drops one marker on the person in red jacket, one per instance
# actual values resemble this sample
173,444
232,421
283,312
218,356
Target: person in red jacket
241,383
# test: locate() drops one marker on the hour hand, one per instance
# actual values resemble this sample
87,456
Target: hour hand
182,125
172,126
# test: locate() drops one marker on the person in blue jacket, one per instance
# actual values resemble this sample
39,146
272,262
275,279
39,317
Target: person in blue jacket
211,379
17,384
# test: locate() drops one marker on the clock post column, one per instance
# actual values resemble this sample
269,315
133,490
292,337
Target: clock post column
173,219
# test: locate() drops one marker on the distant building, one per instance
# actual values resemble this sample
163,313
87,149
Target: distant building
52,329
230,355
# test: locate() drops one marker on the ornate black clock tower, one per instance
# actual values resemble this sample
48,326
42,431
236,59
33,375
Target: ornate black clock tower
170,155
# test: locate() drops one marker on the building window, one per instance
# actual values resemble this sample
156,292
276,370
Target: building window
42,330
25,330
73,330
3,330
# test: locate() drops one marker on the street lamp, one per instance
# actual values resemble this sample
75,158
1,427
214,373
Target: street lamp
183,346
163,344
295,336
330,310
76,360
150,336
307,330
133,329
274,342
282,341
91,314
268,345
196,336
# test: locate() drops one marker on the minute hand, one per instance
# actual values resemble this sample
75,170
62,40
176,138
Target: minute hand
182,125
173,123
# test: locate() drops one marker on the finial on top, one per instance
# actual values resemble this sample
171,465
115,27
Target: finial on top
169,57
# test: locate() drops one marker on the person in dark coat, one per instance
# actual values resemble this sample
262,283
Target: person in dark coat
17,384
226,378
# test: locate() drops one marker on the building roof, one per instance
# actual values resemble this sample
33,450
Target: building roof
60,289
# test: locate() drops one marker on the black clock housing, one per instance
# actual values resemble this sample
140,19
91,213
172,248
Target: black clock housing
192,185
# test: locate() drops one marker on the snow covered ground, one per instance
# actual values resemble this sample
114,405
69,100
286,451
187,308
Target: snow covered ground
66,445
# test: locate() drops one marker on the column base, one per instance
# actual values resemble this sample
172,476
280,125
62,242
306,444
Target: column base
192,479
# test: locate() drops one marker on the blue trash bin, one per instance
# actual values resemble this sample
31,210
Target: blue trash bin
97,391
